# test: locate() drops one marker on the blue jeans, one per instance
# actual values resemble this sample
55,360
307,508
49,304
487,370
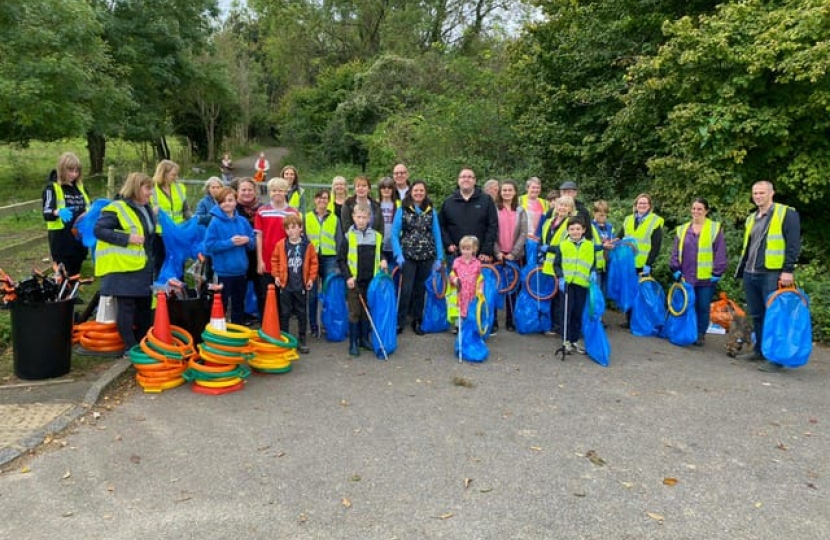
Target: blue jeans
328,266
233,294
757,287
703,301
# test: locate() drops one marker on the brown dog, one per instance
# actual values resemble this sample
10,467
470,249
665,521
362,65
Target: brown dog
739,333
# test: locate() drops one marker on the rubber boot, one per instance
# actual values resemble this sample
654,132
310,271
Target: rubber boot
302,347
354,350
365,341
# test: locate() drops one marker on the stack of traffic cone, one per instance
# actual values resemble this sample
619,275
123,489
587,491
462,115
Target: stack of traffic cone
273,349
223,353
99,337
162,356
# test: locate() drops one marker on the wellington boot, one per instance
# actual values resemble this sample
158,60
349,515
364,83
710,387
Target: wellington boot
354,350
365,340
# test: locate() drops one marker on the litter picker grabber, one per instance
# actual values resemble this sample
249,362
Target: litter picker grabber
372,324
563,350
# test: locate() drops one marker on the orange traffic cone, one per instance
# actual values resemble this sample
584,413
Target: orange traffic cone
161,324
270,316
217,313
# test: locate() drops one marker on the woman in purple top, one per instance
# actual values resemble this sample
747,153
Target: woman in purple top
699,256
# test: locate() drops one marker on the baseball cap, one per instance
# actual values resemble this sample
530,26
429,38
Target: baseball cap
568,184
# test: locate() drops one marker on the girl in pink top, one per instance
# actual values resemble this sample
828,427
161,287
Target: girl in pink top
465,272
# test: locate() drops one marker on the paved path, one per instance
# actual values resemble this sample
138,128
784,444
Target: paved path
667,443
244,166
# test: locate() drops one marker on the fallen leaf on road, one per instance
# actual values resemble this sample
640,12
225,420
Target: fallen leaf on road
467,482
346,503
781,446
25,470
594,458
656,517
461,381
669,481
446,515
66,475
811,485
135,459
535,448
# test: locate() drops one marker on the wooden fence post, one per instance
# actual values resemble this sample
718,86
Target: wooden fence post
111,182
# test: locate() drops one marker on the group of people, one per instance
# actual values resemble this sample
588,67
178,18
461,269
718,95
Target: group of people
282,242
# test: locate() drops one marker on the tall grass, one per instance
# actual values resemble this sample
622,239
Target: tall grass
23,171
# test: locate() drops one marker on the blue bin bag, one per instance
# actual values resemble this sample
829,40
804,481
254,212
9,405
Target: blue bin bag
86,223
469,343
435,305
381,300
251,302
648,314
681,329
335,312
788,328
596,340
622,274
181,242
491,295
530,314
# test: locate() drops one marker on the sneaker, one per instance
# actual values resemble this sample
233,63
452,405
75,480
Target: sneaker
699,342
495,329
552,333
769,367
315,332
578,348
569,347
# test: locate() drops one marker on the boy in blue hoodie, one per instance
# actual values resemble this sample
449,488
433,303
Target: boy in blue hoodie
228,237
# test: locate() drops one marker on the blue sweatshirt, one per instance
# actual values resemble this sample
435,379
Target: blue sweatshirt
228,259
206,204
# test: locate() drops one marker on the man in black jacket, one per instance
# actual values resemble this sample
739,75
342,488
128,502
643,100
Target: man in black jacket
469,211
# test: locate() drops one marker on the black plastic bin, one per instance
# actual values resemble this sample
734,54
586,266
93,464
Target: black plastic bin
192,314
42,338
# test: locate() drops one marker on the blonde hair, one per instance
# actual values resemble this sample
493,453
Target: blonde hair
134,182
163,171
278,183
469,241
68,162
292,219
601,206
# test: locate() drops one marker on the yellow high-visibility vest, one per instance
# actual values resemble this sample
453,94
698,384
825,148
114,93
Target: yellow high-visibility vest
60,202
110,258
705,246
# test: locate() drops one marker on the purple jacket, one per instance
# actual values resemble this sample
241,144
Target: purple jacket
689,265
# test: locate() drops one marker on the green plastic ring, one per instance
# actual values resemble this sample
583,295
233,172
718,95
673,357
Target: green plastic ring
289,343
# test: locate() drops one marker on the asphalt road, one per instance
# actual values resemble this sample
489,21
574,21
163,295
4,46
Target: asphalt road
667,443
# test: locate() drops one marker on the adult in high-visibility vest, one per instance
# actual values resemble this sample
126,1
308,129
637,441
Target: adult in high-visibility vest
772,243
646,228
337,197
322,227
64,201
123,257
295,195
553,229
171,196
699,256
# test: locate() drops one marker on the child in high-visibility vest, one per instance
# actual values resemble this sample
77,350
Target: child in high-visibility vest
359,260
465,277
575,268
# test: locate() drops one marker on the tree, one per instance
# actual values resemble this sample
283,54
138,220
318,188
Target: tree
153,42
55,72
566,81
735,97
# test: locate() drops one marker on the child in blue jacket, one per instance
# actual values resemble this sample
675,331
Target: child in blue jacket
228,237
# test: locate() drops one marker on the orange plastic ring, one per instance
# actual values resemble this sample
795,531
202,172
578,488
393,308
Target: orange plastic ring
530,290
